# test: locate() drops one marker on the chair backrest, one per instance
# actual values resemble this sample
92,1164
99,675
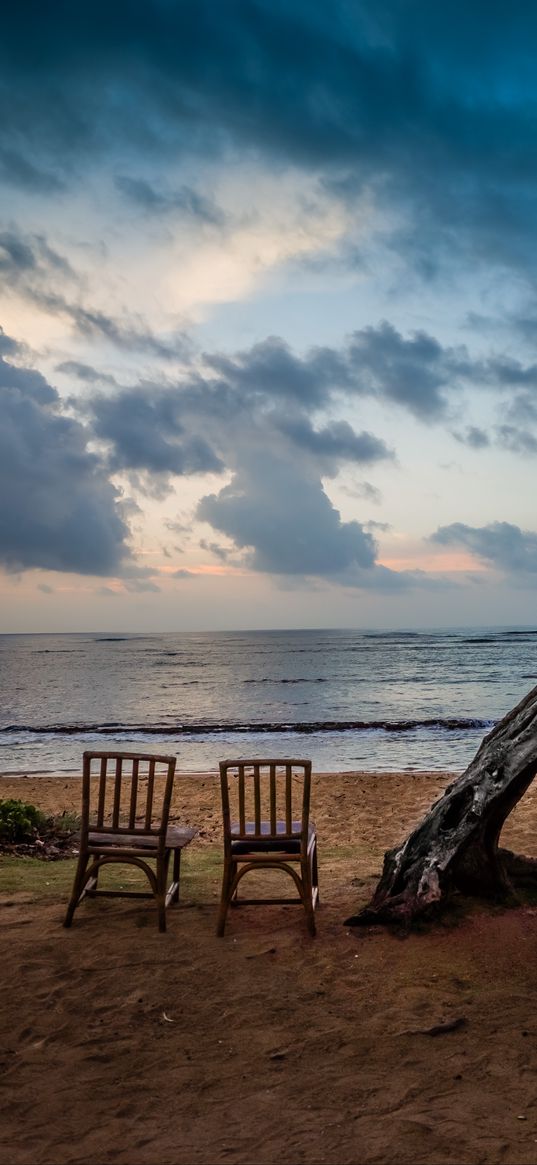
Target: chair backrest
127,792
265,798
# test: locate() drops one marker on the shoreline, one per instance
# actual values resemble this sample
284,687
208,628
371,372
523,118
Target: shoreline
197,792
58,774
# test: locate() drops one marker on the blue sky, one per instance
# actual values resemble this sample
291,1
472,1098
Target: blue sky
269,314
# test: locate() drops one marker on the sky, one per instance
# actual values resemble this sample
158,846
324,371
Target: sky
268,310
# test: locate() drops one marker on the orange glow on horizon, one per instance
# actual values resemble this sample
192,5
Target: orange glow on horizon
449,561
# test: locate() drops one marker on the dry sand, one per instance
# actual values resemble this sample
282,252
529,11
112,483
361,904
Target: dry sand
119,1044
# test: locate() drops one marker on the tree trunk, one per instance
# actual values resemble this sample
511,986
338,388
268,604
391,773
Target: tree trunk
455,846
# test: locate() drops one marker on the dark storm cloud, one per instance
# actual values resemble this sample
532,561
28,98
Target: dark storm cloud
415,373
270,368
431,104
501,544
146,430
306,537
58,511
253,420
280,517
201,424
334,443
268,399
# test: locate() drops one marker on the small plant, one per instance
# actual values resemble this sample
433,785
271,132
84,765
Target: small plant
66,823
19,821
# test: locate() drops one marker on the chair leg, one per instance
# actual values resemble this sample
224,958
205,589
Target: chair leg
227,883
176,873
77,888
315,874
160,895
307,894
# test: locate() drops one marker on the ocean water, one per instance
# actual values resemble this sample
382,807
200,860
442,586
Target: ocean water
347,699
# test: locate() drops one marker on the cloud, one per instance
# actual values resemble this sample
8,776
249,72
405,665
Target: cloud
413,373
85,372
223,553
304,536
198,424
516,439
362,489
58,510
335,442
186,201
9,346
18,170
416,373
409,100
40,275
474,437
146,431
285,524
500,544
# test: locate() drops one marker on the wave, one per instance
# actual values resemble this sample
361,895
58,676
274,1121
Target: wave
477,639
300,680
450,724
516,634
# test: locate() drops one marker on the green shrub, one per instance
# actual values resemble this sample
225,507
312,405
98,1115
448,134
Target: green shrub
67,822
19,821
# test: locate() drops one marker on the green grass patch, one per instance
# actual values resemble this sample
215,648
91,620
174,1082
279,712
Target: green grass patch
200,873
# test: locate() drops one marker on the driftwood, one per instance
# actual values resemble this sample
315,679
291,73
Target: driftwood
455,846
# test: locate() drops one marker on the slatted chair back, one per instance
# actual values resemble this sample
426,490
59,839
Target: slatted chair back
127,793
266,806
125,819
265,799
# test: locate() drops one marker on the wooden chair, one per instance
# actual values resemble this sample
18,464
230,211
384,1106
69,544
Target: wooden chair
263,830
125,811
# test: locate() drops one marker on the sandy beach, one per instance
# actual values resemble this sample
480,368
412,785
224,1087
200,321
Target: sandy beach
123,1045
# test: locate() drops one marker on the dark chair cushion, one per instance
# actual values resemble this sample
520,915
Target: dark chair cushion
270,843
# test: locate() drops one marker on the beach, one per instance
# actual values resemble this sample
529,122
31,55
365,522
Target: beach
120,1044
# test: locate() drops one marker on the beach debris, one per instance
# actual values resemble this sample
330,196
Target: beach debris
167,1018
437,1029
455,846
448,1025
266,951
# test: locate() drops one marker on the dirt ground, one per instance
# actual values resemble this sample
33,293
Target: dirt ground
120,1044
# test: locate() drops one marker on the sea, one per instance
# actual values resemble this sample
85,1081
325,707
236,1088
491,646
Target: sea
349,700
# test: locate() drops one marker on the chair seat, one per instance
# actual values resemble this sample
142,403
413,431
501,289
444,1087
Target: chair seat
176,838
269,844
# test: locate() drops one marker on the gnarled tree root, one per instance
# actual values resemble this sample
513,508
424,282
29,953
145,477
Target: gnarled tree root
455,846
